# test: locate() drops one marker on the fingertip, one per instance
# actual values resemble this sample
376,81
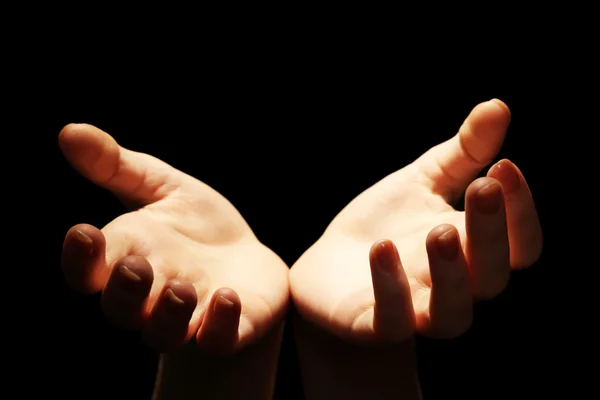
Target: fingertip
383,256
444,240
507,174
492,113
228,294
167,326
486,194
75,134
436,232
82,259
484,130
125,293
66,134
218,334
181,293
134,269
83,243
86,233
91,151
503,106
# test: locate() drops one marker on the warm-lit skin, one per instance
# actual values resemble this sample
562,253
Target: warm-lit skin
401,259
182,265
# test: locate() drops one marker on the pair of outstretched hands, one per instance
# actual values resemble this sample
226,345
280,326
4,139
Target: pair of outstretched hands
399,259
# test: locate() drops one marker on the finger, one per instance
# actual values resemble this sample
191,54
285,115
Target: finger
487,247
218,333
451,301
453,164
83,259
89,254
135,178
393,314
125,295
167,326
524,230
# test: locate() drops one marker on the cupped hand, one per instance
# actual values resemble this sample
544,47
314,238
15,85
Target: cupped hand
401,258
183,265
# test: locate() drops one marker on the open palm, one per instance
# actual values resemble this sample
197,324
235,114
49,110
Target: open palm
182,265
400,257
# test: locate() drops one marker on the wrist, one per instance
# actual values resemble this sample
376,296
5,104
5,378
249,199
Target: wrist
332,368
190,374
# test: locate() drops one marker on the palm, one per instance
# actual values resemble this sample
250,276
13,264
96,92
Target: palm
404,211
194,241
334,286
209,249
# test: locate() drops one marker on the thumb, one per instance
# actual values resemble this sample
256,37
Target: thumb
453,164
135,178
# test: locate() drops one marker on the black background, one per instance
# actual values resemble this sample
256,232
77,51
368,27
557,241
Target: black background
290,137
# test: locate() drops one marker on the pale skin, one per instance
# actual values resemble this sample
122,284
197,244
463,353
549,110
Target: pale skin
183,266
400,259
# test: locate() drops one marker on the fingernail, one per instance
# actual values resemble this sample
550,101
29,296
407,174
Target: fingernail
502,105
489,199
447,245
85,243
172,297
128,274
507,174
386,257
223,313
222,303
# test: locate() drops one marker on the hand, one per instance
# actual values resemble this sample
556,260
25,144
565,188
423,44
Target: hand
352,281
182,265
